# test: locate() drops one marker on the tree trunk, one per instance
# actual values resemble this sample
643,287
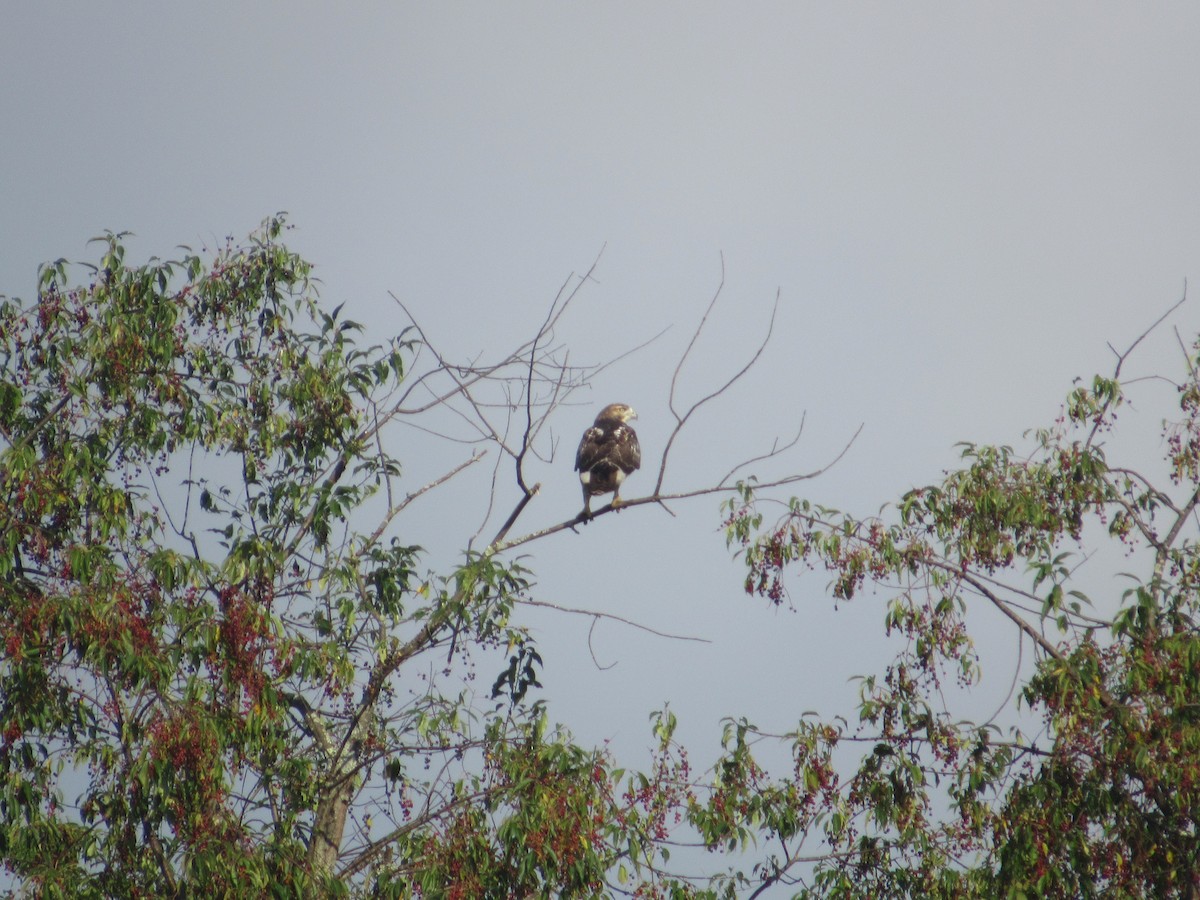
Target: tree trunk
329,826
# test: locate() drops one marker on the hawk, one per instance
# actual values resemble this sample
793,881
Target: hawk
608,452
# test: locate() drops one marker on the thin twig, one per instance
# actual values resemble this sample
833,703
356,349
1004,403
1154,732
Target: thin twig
525,601
1121,357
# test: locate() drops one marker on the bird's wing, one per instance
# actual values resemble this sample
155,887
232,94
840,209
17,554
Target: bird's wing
591,449
633,451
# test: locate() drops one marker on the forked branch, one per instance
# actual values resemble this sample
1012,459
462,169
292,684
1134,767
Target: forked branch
681,419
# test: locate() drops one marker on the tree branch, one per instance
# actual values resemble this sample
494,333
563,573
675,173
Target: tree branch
603,615
660,499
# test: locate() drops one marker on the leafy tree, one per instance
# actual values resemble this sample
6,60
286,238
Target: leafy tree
1105,799
226,665
229,667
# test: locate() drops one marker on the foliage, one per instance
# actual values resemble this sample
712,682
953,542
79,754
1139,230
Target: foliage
224,667
229,666
1105,799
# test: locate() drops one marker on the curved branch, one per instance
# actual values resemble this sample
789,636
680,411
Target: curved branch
776,450
603,615
592,650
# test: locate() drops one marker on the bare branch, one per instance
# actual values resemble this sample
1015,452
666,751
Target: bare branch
775,450
395,510
681,420
512,518
592,649
500,546
695,336
1121,357
525,601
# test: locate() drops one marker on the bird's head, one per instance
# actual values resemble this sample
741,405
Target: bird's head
619,411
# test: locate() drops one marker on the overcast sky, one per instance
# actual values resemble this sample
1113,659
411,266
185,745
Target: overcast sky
959,205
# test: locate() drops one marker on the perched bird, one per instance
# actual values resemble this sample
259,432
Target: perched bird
608,452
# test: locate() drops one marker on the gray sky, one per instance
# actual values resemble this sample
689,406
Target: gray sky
959,204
